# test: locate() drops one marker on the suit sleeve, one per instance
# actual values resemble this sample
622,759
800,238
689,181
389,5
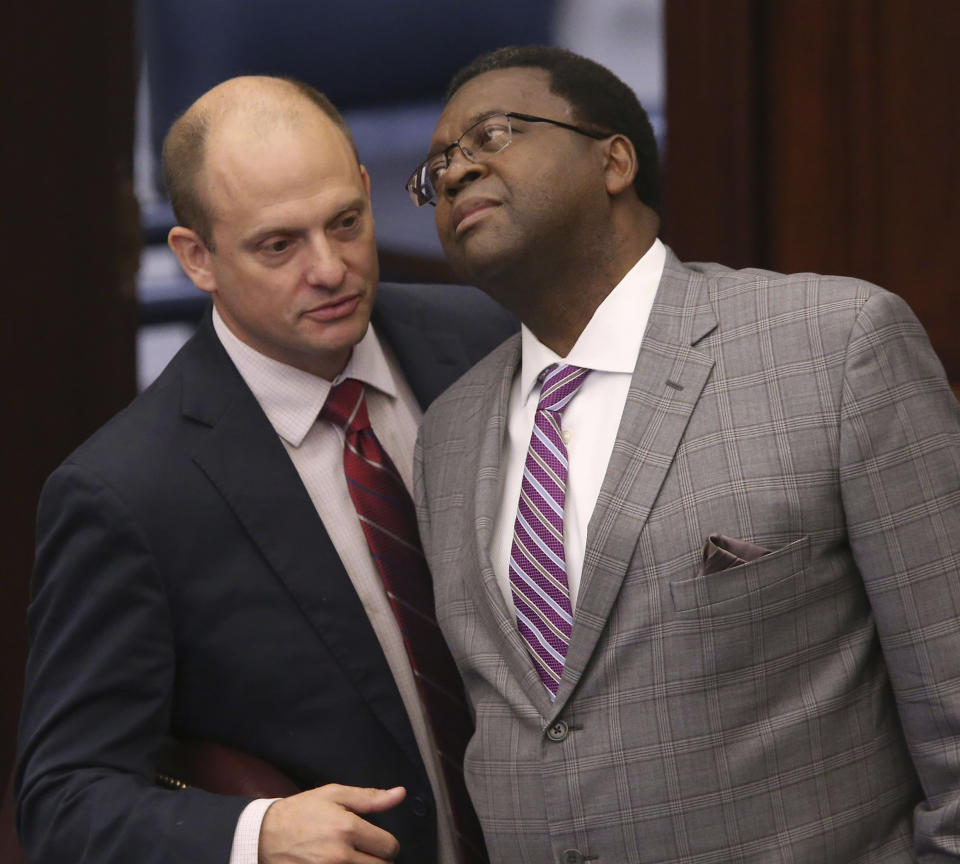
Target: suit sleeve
900,475
97,701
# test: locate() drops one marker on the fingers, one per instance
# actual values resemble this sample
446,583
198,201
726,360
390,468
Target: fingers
365,800
323,826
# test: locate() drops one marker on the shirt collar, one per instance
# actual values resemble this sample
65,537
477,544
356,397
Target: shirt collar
611,340
292,398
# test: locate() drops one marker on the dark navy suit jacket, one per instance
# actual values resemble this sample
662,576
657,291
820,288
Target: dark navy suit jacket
185,586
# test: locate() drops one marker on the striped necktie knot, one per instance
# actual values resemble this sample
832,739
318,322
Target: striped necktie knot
560,383
345,406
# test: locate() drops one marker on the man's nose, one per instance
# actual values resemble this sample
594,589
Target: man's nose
459,173
326,267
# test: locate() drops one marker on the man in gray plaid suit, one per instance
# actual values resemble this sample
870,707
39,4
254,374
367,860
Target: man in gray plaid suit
746,645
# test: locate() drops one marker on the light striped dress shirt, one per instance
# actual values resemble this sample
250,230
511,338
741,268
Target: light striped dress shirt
609,345
292,399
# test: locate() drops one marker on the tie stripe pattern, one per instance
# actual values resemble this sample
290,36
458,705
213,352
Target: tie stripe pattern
388,519
538,571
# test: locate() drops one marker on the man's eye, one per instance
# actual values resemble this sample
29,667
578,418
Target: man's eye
348,223
492,135
436,169
277,246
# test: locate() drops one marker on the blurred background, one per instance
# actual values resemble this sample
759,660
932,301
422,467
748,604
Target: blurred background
385,65
796,135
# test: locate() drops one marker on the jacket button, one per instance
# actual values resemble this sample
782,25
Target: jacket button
419,806
571,856
558,732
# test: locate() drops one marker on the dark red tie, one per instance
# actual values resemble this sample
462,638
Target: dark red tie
389,523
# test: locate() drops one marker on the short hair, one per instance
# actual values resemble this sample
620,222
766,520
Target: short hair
598,97
184,149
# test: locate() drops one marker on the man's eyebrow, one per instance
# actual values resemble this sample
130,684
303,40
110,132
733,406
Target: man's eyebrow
258,235
358,203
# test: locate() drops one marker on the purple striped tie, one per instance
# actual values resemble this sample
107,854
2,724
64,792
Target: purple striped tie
538,572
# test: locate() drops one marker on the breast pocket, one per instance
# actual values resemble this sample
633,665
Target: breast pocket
759,582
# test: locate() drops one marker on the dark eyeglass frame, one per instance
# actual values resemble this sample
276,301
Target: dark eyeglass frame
421,188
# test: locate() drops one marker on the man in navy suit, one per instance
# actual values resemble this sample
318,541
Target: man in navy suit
201,572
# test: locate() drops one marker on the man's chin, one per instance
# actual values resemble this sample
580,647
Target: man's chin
481,265
327,357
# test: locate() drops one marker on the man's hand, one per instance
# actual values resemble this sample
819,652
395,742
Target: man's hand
322,826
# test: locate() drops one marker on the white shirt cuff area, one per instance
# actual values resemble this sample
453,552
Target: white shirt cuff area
246,839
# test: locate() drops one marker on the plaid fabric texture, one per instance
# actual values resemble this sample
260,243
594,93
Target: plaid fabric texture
802,707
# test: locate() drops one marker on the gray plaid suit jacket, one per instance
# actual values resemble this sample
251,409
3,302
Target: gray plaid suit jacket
802,707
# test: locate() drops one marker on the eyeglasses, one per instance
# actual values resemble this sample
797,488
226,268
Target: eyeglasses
490,135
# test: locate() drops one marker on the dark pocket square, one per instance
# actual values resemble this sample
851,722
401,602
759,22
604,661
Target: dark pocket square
721,552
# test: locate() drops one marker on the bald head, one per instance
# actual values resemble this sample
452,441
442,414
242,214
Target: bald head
256,104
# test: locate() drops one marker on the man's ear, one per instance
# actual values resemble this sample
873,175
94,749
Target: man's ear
193,255
365,177
621,164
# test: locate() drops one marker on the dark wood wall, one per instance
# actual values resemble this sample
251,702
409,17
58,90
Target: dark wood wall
820,135
70,244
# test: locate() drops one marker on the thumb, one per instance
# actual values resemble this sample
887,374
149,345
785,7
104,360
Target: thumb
364,800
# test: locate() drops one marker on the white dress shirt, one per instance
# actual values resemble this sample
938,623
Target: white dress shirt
609,346
292,399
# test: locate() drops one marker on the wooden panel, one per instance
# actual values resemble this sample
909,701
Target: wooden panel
843,118
71,240
712,212
863,137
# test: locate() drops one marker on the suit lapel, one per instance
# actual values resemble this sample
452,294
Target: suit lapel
490,429
431,358
246,461
666,385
